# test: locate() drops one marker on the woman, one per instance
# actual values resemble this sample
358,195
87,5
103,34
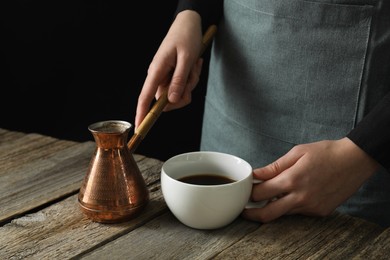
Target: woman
300,89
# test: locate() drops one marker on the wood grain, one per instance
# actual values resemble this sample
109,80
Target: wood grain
166,238
298,237
377,249
36,170
40,178
61,231
39,181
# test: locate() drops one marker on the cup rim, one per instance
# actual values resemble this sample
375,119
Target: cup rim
206,152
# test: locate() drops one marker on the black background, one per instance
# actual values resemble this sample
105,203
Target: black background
67,64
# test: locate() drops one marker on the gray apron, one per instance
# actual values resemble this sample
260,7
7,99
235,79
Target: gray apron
287,72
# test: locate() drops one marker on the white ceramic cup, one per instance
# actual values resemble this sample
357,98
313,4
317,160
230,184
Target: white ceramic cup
206,206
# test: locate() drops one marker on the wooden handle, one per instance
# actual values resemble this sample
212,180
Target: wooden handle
207,38
162,101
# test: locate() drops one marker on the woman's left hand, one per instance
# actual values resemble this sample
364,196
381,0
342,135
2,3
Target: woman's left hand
311,179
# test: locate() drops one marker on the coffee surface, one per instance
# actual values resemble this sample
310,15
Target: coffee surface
206,179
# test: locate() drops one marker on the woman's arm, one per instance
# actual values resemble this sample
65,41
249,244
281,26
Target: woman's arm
209,10
372,134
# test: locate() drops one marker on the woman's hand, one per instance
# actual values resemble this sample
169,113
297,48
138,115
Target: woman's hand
311,179
176,65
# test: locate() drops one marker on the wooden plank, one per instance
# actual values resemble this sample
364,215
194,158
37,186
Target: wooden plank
347,239
61,231
166,238
17,149
35,183
36,170
298,237
7,135
150,168
378,248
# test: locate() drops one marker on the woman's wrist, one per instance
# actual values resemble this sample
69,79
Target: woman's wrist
189,17
352,150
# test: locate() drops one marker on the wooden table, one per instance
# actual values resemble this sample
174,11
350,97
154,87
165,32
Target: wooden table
40,219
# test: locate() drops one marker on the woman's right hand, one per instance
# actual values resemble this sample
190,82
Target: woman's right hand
176,66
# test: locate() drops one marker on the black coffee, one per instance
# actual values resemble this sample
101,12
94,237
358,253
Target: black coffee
206,179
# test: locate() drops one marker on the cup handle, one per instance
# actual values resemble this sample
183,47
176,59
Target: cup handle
256,181
257,204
